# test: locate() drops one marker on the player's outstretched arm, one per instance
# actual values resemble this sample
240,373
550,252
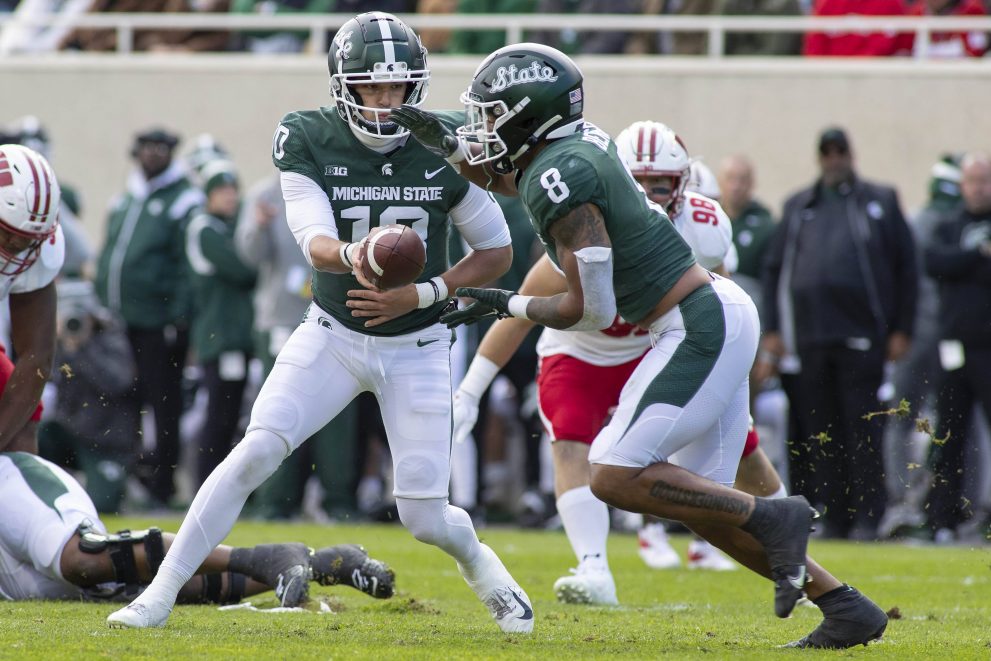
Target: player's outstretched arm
501,341
32,334
584,252
439,139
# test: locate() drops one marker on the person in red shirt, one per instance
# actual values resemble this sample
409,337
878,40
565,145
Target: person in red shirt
837,44
951,44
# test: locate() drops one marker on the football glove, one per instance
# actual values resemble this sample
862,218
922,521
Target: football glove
428,130
488,303
465,414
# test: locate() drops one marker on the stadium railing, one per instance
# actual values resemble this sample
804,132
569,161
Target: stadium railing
515,25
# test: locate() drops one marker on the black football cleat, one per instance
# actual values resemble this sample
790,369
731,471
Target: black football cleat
285,568
850,619
783,529
349,564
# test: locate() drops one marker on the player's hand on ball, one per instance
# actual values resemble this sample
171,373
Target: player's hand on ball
427,129
465,415
381,306
488,303
356,266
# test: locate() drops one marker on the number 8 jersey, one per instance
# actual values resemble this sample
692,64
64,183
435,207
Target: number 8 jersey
649,256
409,186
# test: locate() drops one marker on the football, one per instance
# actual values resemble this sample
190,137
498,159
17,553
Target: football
393,257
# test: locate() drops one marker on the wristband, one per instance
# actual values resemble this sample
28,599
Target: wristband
431,291
459,154
440,287
479,376
345,254
517,305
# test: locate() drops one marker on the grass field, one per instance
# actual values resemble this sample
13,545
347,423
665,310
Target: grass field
943,596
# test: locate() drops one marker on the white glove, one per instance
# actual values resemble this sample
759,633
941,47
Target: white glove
465,414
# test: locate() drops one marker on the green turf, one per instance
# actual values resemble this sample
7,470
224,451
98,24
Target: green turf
943,596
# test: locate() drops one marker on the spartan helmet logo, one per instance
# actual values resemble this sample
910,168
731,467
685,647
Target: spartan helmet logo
343,43
387,170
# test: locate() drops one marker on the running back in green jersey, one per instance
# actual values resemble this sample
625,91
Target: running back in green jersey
409,186
649,256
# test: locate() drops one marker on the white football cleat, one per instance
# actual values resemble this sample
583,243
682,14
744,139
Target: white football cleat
703,555
655,549
139,616
505,599
596,588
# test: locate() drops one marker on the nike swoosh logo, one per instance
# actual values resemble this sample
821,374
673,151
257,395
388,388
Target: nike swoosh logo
527,613
431,175
423,343
798,580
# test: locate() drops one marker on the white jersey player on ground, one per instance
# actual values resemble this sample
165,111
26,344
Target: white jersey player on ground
32,250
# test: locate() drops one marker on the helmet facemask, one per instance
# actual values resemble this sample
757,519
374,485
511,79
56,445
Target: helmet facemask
14,263
351,105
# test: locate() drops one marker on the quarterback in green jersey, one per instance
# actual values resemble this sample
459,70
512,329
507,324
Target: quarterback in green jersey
345,170
672,447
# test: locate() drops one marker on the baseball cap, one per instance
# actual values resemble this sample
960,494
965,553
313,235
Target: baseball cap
157,135
834,137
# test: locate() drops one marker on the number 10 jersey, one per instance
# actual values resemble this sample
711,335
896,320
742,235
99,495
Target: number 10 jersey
409,186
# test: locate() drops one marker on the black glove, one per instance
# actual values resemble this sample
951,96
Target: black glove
488,303
427,129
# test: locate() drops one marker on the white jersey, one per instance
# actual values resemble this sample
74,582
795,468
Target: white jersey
39,274
708,231
41,506
704,225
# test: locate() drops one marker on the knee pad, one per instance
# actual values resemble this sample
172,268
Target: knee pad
256,457
121,548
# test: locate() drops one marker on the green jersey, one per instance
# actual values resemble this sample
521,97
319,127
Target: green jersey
409,186
752,234
649,256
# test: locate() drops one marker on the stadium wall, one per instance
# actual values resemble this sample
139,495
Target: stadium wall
901,114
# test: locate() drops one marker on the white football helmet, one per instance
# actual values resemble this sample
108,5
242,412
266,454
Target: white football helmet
702,181
653,149
30,198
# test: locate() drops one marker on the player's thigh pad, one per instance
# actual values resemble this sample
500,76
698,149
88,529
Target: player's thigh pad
687,382
415,399
575,397
43,507
312,381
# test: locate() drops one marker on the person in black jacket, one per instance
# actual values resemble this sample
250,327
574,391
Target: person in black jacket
840,285
959,258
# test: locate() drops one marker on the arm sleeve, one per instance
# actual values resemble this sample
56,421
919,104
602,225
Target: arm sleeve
308,210
480,221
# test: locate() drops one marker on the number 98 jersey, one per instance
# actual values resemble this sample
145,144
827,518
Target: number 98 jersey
409,186
649,256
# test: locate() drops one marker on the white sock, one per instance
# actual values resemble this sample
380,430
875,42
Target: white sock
214,511
586,523
434,521
780,493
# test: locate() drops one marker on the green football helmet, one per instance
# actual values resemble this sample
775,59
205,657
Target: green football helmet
376,47
521,94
